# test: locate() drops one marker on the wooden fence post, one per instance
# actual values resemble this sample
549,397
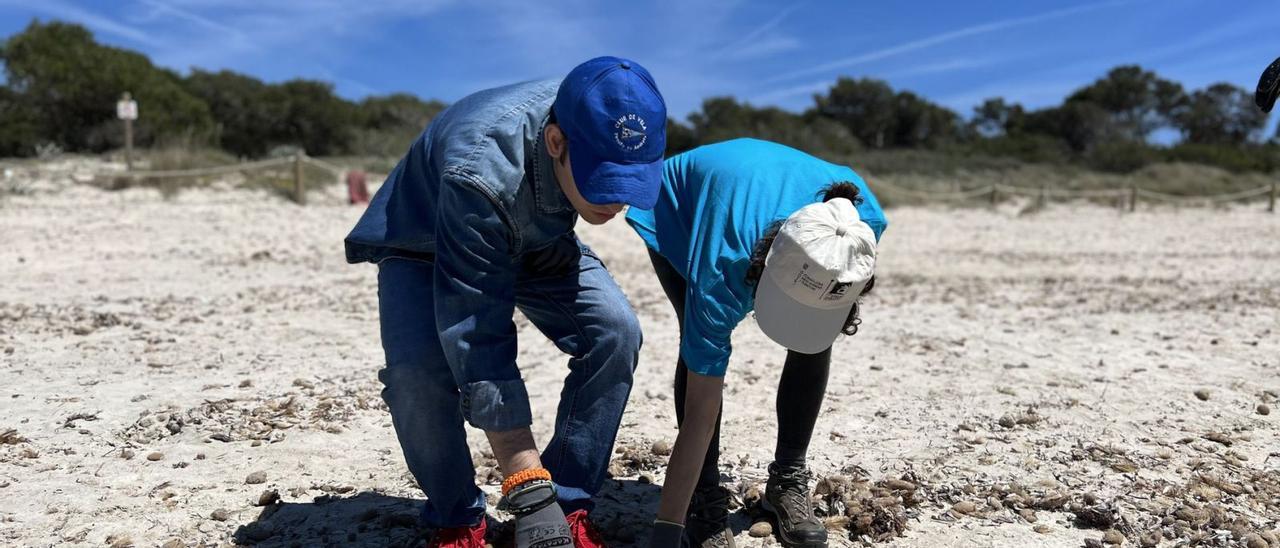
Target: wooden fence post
1133,197
1044,195
127,110
995,195
299,186
128,144
1271,201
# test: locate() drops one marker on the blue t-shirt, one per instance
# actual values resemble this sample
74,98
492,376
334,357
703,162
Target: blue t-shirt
715,202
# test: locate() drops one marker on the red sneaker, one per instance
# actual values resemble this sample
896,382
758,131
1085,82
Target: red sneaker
585,534
459,537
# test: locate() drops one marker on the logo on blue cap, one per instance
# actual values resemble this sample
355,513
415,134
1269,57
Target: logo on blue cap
630,132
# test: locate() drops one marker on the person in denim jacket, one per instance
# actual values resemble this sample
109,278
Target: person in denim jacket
477,220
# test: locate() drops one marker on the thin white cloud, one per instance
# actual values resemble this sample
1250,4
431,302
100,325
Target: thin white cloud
328,9
761,48
952,65
754,44
100,23
942,38
310,36
167,9
1210,43
778,95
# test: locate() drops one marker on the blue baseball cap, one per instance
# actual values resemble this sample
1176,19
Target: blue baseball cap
615,120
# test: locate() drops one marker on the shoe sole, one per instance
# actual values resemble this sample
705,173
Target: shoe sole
786,542
728,535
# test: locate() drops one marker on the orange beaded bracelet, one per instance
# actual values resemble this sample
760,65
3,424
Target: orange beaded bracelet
524,476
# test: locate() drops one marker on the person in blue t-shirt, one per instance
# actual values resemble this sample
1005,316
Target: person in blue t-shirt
751,225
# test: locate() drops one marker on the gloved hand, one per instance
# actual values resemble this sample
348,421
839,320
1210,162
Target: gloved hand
545,528
540,523
666,535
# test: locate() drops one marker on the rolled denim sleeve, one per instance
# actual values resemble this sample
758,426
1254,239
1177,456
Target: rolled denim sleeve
474,302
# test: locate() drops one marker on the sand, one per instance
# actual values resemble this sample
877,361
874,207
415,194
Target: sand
200,370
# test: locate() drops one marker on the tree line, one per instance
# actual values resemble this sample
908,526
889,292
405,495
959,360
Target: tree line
61,87
1108,124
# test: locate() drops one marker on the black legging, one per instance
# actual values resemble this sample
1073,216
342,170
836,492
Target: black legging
800,391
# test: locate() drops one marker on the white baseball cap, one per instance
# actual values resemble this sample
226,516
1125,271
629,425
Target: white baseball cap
821,259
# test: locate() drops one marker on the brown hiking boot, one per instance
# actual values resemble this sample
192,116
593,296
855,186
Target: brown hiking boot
707,524
786,495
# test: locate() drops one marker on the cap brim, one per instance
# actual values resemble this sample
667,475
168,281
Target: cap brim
1268,87
793,325
603,182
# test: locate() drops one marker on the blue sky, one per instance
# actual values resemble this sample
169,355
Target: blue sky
779,53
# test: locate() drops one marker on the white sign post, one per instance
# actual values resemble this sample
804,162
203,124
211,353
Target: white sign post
127,110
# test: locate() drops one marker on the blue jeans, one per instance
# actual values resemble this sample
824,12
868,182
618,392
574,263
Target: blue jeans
574,302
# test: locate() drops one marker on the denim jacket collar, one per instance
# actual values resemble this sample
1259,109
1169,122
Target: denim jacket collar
546,191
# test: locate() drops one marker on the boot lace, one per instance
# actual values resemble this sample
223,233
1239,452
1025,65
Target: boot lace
793,489
709,514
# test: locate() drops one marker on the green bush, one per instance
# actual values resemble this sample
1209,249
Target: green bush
20,127
387,125
947,161
1024,147
1232,158
1120,156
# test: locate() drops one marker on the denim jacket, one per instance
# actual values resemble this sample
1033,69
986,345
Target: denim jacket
475,192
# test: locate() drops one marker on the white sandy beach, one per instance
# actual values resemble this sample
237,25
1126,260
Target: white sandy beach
164,362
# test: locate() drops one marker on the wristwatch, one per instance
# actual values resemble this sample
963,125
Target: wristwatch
528,497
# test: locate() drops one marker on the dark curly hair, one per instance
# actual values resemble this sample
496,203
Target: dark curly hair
760,250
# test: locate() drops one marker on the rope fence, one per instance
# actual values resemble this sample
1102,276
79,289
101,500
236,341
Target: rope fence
297,161
205,171
1062,193
324,165
1217,198
1126,198
941,196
